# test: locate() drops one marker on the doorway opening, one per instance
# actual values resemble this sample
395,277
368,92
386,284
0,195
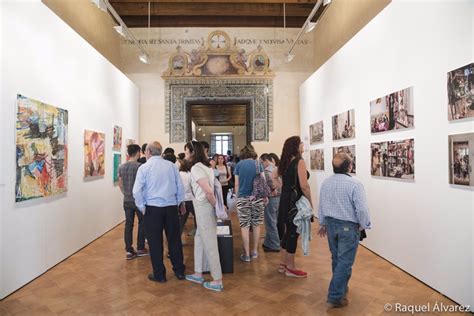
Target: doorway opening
224,124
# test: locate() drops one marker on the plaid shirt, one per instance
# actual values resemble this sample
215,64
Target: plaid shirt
128,173
343,197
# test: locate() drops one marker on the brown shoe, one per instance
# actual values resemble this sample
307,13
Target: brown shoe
343,302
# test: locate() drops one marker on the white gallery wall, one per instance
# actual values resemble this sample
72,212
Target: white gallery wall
423,226
43,59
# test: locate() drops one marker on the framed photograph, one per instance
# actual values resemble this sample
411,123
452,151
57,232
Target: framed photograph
316,133
117,138
461,155
117,162
350,150
461,93
343,125
392,112
393,159
317,159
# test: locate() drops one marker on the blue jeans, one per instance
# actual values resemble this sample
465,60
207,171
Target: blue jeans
272,240
343,239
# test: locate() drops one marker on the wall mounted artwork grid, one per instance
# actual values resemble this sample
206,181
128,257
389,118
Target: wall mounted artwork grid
392,112
41,149
343,125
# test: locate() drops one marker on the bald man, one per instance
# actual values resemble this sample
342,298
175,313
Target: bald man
343,213
158,191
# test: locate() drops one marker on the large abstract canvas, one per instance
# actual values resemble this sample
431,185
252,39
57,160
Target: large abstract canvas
461,155
317,159
316,133
393,159
343,125
117,162
350,150
117,138
392,112
94,154
461,93
41,149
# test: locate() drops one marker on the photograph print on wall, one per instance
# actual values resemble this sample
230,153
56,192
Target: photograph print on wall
392,112
393,159
316,133
343,125
461,154
350,150
461,93
41,149
317,159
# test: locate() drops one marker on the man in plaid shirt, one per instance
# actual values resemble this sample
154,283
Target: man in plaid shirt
343,213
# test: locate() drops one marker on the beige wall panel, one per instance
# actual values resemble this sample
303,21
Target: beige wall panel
94,25
342,20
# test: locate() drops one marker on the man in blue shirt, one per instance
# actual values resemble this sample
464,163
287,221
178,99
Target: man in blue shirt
343,213
158,190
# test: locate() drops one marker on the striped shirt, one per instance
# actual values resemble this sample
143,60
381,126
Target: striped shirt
343,197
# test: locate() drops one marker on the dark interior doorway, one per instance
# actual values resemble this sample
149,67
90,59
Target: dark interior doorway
225,116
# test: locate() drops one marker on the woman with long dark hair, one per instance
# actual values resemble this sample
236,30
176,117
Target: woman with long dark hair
293,171
205,240
224,176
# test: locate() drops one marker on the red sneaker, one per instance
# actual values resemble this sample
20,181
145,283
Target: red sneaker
295,273
143,252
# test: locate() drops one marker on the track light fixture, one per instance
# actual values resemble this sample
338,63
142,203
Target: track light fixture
122,28
307,27
100,4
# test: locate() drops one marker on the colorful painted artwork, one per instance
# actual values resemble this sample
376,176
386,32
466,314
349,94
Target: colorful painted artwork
343,125
461,93
117,162
461,156
41,149
94,154
117,138
392,112
316,133
350,150
317,159
393,159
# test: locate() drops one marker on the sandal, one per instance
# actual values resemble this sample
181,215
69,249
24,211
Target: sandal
195,279
213,287
245,258
282,268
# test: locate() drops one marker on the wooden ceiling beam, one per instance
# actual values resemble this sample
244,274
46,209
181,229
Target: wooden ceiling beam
214,21
212,9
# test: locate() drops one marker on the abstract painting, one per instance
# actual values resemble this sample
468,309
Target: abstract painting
41,149
461,93
317,159
94,154
117,162
393,159
117,138
392,112
350,150
316,133
343,125
461,154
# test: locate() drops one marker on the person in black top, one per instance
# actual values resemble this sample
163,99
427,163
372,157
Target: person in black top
293,171
142,159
